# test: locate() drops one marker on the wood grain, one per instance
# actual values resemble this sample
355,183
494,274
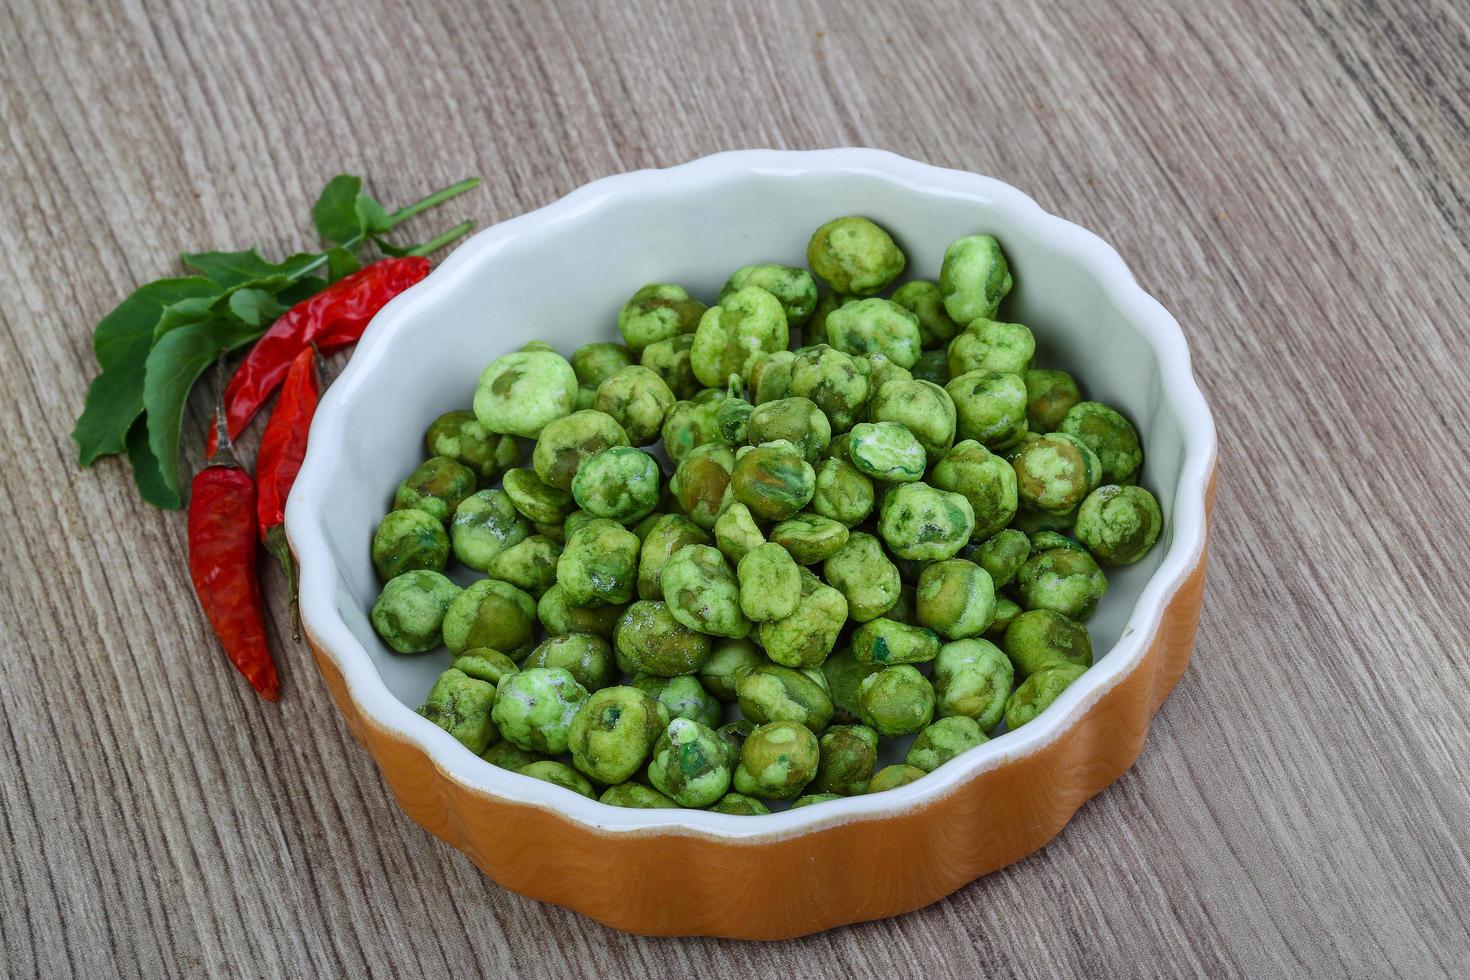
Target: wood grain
1289,178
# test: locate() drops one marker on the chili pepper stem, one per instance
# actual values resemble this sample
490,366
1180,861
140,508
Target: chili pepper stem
436,198
435,244
277,545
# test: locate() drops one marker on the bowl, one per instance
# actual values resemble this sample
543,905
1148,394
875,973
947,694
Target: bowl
560,274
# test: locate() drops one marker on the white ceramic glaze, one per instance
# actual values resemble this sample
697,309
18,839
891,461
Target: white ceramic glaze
562,272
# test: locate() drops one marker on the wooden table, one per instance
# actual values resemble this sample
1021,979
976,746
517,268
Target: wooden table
1291,179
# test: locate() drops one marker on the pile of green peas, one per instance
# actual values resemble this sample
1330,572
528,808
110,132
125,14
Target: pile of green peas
895,531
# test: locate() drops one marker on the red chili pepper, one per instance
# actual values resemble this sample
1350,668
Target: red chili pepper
222,554
282,448
332,319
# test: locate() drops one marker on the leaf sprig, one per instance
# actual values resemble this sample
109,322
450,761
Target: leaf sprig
153,347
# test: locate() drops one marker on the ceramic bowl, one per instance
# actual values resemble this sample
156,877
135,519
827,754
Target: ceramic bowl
560,274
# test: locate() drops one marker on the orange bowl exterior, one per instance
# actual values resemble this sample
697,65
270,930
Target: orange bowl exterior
681,884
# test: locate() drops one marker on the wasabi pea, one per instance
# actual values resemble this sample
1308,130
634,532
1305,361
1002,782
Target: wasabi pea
923,523
882,369
972,678
638,400
810,538
955,598
1028,520
559,616
923,408
461,705
770,583
586,657
568,442
529,565
774,480
521,392
1119,524
599,565
906,609
1006,612
535,708
654,642
658,312
620,484
777,760
1038,692
740,805
538,501
1050,395
895,700
944,740
484,525
672,361
701,484
732,418
727,661
835,381
733,335
614,732
489,613
682,697
865,577
797,420
795,288
815,331
636,796
702,592
485,664
1047,540
736,533
508,755
1110,435
409,613
461,437
770,377
989,345
734,735
923,298
887,452
595,363
1055,473
884,641
1002,555
1040,638
990,407
973,278
807,636
986,480
842,492
892,777
691,424
849,754
1063,580
670,533
690,764
409,541
876,326
436,487
559,774
933,367
810,799
854,256
771,692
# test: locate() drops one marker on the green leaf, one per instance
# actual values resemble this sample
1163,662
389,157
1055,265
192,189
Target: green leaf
335,212
146,474
341,262
256,307
174,364
300,290
186,311
121,341
372,217
230,269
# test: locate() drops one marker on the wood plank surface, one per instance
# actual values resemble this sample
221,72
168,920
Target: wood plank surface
1291,179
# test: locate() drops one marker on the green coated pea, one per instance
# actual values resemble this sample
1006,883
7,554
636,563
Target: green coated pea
559,774
842,492
1110,435
986,480
682,697
654,642
672,361
535,708
887,452
733,335
795,288
989,345
844,674
1063,580
876,326
774,480
973,278
892,777
849,754
595,363
834,380
508,755
777,760
1028,520
884,641
658,312
810,538
736,533
881,370
599,565
620,484
529,565
906,609
896,700
734,735
521,392
1047,540
923,408
489,613
923,523
807,636
614,731
945,739
815,331
559,616
770,377
636,796
770,583
861,571
409,613
638,399
796,420
1002,555
727,661
408,541
990,407
732,418
461,437
972,678
740,805
923,298
1039,638
568,442
691,424
1055,473
484,525
1119,524
955,598
1006,611
702,592
701,484
771,692
1038,692
461,704
483,663
668,535
435,487
933,367
538,501
586,657
1050,395
854,256
690,764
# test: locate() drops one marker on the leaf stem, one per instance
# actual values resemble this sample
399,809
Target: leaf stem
435,244
438,197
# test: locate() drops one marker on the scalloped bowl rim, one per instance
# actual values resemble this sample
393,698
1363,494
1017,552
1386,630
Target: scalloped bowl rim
333,639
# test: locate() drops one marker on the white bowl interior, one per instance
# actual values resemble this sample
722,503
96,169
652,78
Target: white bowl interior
561,275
